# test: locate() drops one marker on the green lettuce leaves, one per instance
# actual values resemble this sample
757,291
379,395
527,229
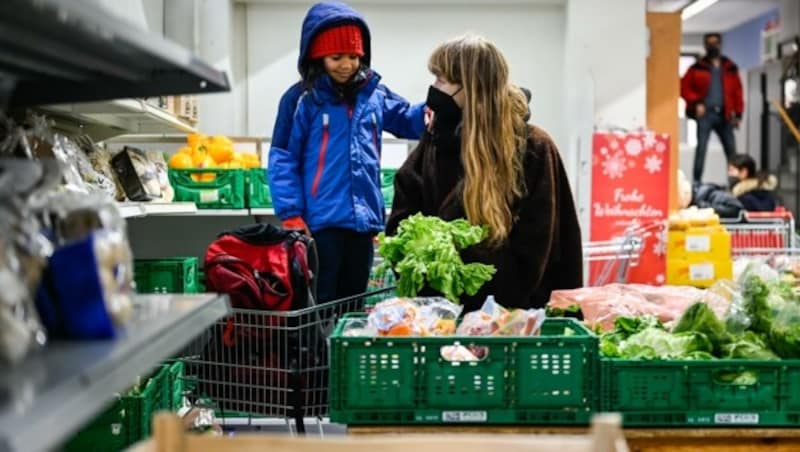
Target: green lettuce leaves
426,252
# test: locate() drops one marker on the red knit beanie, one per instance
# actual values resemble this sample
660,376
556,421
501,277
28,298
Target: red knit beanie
344,39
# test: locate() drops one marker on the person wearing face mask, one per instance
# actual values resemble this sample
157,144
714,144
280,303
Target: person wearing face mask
481,161
712,90
755,190
324,159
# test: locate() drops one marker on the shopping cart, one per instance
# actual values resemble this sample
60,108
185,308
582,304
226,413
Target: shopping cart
756,234
268,364
617,255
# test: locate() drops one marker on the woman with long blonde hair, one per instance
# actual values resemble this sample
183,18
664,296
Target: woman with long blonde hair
480,160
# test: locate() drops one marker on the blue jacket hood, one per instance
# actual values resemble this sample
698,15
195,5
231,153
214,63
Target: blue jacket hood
325,15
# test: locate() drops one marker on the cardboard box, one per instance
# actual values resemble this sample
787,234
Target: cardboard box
698,273
707,243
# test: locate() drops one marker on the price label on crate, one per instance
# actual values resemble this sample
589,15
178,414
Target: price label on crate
464,416
209,196
698,243
736,418
701,272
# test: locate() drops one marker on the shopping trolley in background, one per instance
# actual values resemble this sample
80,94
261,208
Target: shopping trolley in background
610,261
268,364
762,233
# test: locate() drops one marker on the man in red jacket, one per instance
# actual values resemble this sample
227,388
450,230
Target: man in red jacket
712,90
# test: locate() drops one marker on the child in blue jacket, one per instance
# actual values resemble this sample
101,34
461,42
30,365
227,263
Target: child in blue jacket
324,162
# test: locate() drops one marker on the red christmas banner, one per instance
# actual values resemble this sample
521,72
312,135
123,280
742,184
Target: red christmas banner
630,192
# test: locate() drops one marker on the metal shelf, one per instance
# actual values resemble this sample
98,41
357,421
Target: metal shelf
63,51
263,211
222,212
103,120
168,208
53,393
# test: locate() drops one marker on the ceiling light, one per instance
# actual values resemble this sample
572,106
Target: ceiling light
696,8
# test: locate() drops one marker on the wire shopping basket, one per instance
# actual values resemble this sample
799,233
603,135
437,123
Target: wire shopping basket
762,233
268,363
610,261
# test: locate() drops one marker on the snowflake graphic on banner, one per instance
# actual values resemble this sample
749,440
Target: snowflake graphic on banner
614,166
661,146
649,140
660,278
653,164
633,146
660,247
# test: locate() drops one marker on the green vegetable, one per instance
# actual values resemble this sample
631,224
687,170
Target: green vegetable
655,343
748,346
755,294
562,312
631,325
699,318
775,312
426,251
645,338
741,378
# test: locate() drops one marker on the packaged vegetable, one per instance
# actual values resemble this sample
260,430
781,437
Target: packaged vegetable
162,175
495,320
600,306
137,174
414,317
458,353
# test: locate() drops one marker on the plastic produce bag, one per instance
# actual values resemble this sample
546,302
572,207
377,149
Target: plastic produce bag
414,317
162,175
600,306
495,320
137,174
84,293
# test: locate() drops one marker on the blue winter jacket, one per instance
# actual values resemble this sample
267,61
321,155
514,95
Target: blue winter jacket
324,162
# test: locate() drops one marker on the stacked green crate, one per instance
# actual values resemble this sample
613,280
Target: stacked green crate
387,185
129,418
258,194
210,188
170,275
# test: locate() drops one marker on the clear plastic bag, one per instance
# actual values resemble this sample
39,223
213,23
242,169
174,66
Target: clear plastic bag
495,320
80,216
600,306
414,317
162,176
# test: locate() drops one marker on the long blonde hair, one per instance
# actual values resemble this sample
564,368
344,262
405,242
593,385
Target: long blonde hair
493,130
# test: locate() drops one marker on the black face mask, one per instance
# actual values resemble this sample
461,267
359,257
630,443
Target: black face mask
447,117
447,111
733,180
712,51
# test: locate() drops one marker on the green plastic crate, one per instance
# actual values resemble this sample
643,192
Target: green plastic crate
177,384
171,275
387,185
201,281
128,420
226,191
548,379
258,194
696,393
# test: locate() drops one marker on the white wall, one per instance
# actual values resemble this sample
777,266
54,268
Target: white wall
584,60
605,71
530,35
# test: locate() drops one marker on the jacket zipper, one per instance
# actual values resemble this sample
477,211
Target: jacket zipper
375,137
323,148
